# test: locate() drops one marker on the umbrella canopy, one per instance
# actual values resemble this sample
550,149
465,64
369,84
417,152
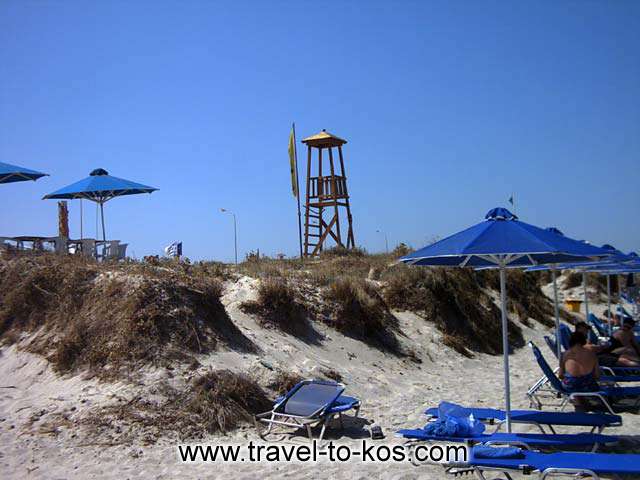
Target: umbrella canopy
100,187
502,241
12,173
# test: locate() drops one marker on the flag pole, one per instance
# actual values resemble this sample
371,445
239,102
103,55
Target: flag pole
295,154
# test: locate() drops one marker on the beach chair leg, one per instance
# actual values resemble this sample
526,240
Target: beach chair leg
273,416
340,420
310,433
324,428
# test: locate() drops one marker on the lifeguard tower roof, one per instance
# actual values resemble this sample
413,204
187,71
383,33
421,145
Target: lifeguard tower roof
324,139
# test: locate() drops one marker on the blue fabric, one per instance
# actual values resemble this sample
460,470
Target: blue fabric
546,369
598,325
551,343
568,418
530,439
100,187
310,398
502,234
565,335
342,404
454,421
582,383
620,392
601,463
12,173
545,418
482,451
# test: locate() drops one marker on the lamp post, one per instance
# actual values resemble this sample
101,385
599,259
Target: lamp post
235,233
386,240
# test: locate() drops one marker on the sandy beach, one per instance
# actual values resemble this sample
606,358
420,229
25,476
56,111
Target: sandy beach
40,410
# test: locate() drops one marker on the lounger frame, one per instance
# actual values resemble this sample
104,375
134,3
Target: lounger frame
525,469
535,398
320,416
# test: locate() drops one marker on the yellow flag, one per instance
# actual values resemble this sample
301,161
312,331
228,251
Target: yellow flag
292,162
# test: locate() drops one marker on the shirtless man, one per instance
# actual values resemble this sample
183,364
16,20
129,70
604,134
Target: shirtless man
579,370
629,350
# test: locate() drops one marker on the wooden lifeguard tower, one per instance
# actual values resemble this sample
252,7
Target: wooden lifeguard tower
325,190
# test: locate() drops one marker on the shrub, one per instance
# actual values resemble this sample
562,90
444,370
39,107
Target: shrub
119,315
218,401
524,296
454,300
285,381
339,251
277,306
401,250
356,309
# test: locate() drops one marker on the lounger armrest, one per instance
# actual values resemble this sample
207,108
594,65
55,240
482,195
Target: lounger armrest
608,371
599,395
581,472
514,443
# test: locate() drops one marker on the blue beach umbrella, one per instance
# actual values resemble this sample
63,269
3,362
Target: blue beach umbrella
12,173
624,264
616,263
100,187
502,241
566,266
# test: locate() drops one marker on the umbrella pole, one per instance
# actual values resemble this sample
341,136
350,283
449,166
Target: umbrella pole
81,236
610,319
586,299
505,347
557,313
104,234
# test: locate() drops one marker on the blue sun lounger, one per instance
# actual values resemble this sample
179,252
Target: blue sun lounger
526,440
621,374
309,403
576,464
596,421
599,325
609,399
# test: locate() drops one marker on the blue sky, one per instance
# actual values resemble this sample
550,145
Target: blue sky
448,108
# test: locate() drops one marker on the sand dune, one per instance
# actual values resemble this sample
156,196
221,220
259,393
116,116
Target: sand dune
40,411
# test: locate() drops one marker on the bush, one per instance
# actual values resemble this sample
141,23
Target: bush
356,309
401,250
277,306
97,315
524,296
454,300
285,381
218,401
339,251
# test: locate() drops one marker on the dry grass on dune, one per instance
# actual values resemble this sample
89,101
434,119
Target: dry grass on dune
355,307
454,300
277,306
217,401
284,381
98,315
524,296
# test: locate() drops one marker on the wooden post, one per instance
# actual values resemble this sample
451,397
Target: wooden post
334,195
63,219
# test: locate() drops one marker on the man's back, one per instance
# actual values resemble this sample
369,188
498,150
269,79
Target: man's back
579,361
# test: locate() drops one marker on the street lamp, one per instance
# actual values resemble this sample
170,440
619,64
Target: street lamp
386,240
235,232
